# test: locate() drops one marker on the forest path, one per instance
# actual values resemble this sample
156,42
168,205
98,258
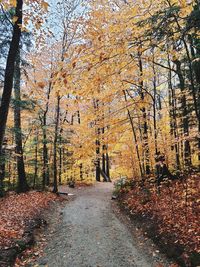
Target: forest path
91,235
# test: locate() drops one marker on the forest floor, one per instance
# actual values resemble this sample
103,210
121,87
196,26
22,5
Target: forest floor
91,231
20,215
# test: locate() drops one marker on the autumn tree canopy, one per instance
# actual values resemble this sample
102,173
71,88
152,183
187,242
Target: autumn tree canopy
104,89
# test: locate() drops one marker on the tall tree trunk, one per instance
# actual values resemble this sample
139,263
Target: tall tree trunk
194,92
144,115
81,164
98,155
98,131
108,165
45,155
184,108
103,161
22,182
57,116
134,136
45,171
173,115
154,107
196,68
61,150
9,72
60,158
103,153
2,170
81,171
36,159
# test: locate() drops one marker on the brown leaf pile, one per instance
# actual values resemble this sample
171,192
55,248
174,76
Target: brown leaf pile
17,212
176,209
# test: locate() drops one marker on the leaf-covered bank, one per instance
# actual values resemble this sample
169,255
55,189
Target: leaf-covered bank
19,216
170,217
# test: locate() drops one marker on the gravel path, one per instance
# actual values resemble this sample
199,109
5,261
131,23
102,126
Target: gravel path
90,235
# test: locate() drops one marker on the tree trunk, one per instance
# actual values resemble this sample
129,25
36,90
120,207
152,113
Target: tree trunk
98,131
60,158
36,160
45,171
9,72
154,108
22,182
196,69
144,115
81,171
81,164
98,156
2,171
108,165
134,136
103,162
184,108
173,120
103,153
57,115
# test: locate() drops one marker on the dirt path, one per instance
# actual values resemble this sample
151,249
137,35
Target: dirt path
91,235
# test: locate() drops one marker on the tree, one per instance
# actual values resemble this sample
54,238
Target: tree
22,182
9,72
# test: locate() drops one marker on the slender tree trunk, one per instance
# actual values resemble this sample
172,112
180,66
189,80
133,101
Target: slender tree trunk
198,121
81,171
144,114
57,115
45,171
9,72
98,131
187,151
2,170
196,68
22,182
36,160
135,137
10,171
61,150
173,120
103,162
107,165
60,158
98,155
45,155
103,154
154,108
81,164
